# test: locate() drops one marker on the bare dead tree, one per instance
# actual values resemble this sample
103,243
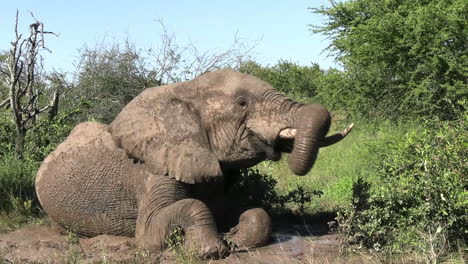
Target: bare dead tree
23,69
173,62
61,86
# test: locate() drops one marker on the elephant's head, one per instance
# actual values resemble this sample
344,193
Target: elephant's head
247,121
234,118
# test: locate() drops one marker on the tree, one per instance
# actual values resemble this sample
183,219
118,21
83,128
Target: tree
289,78
404,57
22,72
175,62
3,69
109,76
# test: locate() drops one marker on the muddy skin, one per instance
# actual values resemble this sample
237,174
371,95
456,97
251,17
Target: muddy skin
162,163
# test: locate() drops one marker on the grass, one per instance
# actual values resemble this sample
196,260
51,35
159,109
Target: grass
16,182
334,173
10,222
338,166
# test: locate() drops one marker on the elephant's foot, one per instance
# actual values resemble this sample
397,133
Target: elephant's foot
253,230
206,243
190,215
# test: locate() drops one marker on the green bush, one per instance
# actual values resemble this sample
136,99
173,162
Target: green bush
17,174
401,57
48,134
298,82
254,189
421,199
257,189
17,183
7,133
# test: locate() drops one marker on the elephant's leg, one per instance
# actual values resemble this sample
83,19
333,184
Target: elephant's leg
196,221
161,212
253,230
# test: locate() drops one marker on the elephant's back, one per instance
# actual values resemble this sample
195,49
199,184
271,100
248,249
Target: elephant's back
87,183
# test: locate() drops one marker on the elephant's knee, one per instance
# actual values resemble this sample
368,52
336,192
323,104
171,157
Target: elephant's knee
253,230
195,213
155,225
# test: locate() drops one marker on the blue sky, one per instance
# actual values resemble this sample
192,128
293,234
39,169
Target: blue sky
280,27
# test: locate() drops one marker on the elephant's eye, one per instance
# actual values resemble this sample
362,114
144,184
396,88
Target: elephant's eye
242,102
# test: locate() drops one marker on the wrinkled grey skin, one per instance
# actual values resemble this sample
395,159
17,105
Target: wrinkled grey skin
169,156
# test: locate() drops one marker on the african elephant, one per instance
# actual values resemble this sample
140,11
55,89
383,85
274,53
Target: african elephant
166,160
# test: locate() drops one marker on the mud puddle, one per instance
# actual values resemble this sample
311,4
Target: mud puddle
43,244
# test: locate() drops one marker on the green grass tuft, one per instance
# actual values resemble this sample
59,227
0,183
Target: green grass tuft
339,166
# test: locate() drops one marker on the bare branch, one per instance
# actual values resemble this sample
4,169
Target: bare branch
2,71
16,25
24,67
174,62
39,27
5,103
54,104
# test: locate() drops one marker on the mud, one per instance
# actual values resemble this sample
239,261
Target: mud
45,244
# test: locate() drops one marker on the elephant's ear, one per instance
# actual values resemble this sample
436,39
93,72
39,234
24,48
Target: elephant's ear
164,131
192,163
189,158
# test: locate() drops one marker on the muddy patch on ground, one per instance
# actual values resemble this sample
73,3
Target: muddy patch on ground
45,244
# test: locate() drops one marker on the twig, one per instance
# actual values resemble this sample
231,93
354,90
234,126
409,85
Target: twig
5,103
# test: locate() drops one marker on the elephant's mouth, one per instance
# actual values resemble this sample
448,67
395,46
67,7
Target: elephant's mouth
286,136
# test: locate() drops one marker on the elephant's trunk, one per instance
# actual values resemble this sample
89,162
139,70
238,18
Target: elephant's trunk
303,131
312,124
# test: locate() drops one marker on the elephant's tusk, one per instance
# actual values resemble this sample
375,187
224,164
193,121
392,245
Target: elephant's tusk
345,132
288,133
327,141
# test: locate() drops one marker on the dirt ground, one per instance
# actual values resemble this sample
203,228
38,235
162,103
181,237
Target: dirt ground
45,244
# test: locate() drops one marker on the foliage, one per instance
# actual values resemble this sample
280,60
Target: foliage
173,61
17,182
422,196
175,239
335,90
72,238
48,134
4,91
22,71
287,77
300,196
256,189
403,57
338,166
7,133
109,77
17,194
17,174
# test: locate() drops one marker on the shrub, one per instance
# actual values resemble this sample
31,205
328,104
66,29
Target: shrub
298,82
256,189
421,200
403,58
17,174
48,134
17,184
7,133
